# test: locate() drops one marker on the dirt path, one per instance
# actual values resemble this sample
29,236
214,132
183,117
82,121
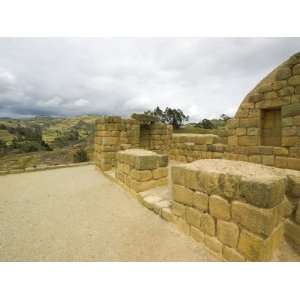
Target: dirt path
76,214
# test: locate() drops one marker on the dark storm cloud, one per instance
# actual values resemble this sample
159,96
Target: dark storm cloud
203,76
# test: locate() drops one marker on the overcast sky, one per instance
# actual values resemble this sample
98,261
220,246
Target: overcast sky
205,77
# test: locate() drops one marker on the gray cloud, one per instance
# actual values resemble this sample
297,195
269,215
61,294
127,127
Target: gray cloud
203,76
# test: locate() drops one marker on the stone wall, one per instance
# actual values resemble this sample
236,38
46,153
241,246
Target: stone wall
115,133
191,147
265,129
270,114
141,170
239,210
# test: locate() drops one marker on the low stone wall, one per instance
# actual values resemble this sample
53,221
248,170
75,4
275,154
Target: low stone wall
237,209
191,147
141,170
45,167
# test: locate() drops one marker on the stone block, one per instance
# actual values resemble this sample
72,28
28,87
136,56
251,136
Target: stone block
207,224
228,233
197,234
140,186
160,173
283,73
289,141
293,163
140,175
287,121
109,155
290,110
213,244
281,151
191,178
178,209
182,225
233,255
258,220
268,160
219,207
286,91
200,201
270,95
193,217
247,140
256,97
229,185
160,205
146,163
177,175
261,192
248,122
256,248
166,214
252,131
289,131
163,160
255,159
292,233
209,182
297,217
296,69
232,140
182,194
281,162
241,131
294,80
110,140
263,88
151,201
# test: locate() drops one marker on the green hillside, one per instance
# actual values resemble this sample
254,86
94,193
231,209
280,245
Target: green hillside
44,140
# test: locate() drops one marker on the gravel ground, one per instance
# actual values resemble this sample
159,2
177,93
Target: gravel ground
76,214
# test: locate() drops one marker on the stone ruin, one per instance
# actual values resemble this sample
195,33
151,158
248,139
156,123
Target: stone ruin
238,193
140,131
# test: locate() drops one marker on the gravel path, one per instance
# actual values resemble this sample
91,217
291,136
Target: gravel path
76,214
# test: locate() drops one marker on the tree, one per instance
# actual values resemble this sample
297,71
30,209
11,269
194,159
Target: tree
206,124
172,116
224,117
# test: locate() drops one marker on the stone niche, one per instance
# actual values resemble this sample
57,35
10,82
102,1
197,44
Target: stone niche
141,170
239,210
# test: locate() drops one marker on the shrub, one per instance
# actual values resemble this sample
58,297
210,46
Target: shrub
80,156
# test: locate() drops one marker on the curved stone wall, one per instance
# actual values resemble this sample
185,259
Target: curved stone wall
269,117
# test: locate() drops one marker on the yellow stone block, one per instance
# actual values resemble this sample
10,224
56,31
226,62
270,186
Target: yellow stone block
219,207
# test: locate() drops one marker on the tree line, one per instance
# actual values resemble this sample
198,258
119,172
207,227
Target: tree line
177,118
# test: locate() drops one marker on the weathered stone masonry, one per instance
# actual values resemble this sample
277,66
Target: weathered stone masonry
141,170
239,210
265,129
115,133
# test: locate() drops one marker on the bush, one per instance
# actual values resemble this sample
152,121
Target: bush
80,156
